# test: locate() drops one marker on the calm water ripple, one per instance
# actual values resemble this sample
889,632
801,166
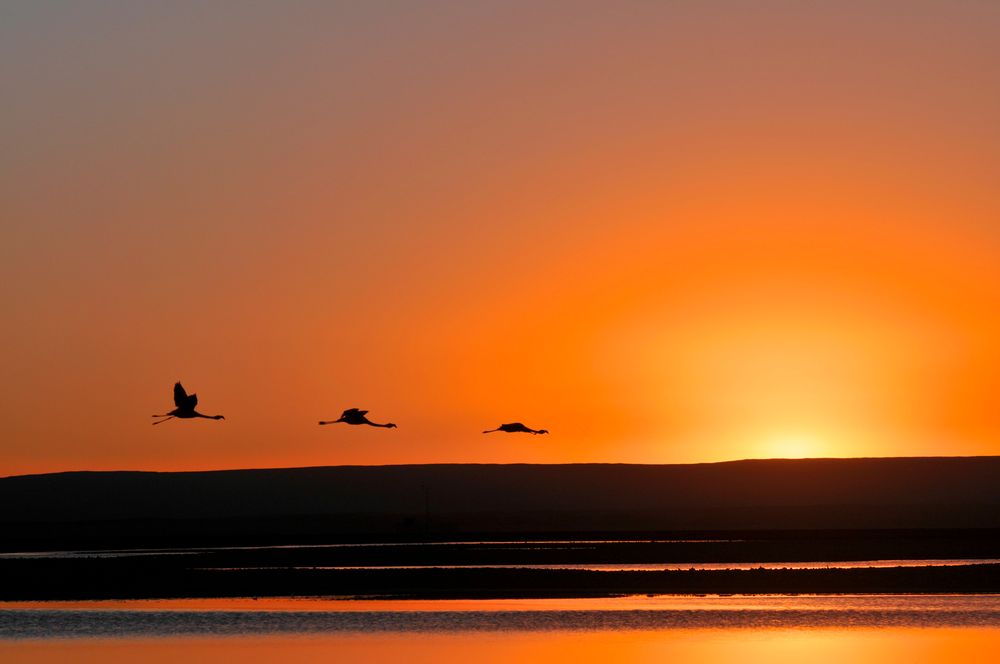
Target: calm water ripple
724,613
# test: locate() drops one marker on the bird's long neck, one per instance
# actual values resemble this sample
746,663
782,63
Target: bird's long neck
209,417
387,425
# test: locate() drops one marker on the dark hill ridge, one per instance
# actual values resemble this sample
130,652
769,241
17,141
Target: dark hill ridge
814,493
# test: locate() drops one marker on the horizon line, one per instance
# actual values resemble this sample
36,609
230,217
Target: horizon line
515,463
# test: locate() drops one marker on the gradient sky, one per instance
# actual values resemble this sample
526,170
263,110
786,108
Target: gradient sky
667,232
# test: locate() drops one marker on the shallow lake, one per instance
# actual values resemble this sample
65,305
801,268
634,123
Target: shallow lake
860,628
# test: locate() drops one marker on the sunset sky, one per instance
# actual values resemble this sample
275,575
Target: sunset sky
665,231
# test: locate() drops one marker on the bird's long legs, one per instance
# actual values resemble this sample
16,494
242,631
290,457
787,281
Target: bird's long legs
165,418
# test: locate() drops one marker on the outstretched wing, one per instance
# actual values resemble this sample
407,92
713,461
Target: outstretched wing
354,411
180,396
182,399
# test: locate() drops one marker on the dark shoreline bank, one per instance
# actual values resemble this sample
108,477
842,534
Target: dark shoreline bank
471,569
505,547
102,581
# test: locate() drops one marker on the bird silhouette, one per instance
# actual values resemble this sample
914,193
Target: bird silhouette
517,427
357,416
185,407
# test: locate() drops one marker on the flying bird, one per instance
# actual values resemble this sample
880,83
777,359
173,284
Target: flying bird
517,427
357,416
185,407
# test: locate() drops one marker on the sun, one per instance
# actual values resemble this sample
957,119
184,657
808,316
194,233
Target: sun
792,446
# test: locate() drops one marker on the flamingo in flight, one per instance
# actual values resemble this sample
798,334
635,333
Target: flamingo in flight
357,416
185,407
517,427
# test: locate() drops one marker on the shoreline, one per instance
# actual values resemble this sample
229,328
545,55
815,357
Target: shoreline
124,582
514,569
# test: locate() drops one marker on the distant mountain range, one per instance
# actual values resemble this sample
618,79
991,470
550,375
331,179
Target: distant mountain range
941,492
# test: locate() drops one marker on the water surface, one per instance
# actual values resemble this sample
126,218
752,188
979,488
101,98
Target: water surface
242,617
662,567
677,646
861,629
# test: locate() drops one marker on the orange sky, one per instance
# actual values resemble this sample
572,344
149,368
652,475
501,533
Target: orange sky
689,232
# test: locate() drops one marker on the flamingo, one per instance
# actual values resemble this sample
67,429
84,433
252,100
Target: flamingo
517,427
357,416
185,407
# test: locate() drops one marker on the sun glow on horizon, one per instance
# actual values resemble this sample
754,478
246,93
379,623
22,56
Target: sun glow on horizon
793,446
